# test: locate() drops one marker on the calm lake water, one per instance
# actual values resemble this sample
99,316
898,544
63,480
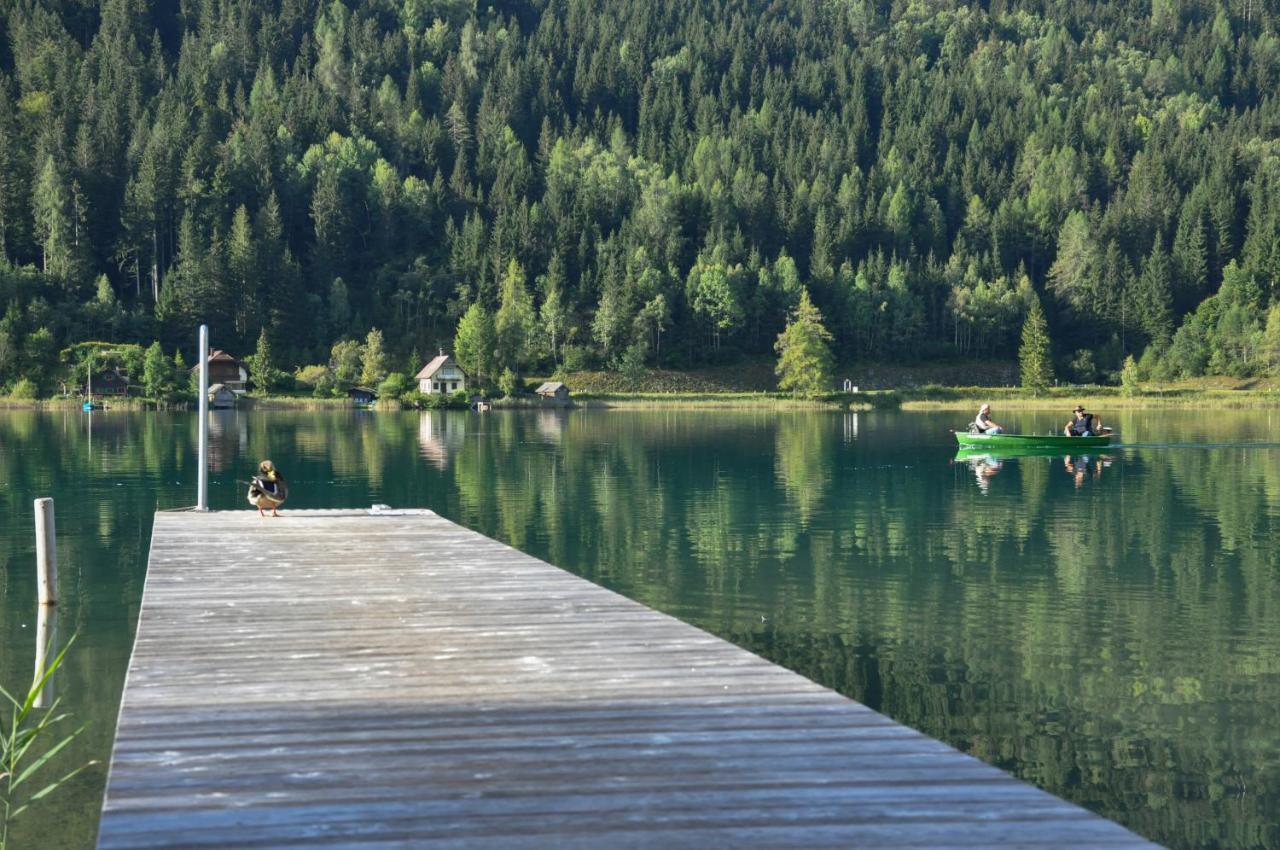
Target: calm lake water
1106,627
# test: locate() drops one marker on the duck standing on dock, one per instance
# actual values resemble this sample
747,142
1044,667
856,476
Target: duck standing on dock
268,488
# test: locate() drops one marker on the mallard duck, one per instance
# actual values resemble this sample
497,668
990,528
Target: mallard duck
268,488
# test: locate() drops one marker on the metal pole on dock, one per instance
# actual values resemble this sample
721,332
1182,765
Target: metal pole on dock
46,552
202,475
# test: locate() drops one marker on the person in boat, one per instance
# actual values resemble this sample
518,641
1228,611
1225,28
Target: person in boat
1083,423
984,424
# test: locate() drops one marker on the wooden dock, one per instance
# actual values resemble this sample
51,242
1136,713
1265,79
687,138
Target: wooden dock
340,679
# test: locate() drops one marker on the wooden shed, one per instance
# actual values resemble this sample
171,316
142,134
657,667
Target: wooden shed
553,391
111,381
221,397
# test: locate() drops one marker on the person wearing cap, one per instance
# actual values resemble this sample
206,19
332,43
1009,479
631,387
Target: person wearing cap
984,423
1083,424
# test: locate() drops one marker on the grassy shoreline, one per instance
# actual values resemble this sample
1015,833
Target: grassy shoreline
1063,398
71,403
921,398
746,401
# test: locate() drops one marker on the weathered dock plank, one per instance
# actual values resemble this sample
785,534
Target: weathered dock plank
338,679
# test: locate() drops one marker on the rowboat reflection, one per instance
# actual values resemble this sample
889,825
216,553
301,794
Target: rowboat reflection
986,464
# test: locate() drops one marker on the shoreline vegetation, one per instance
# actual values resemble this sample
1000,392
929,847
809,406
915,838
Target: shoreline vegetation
929,397
753,384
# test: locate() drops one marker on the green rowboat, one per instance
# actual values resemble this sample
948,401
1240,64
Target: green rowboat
1019,442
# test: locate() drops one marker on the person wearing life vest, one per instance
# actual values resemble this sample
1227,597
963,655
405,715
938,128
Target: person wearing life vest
1083,424
984,424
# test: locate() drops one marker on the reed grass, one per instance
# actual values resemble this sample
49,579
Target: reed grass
19,765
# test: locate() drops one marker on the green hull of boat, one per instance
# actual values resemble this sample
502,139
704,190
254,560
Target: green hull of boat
1026,442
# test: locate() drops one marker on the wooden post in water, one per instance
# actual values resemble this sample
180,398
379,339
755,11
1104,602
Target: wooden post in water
46,552
202,473
46,645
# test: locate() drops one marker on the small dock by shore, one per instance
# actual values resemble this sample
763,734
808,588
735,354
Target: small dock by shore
386,679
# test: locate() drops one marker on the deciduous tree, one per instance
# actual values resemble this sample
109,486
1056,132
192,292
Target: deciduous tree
373,360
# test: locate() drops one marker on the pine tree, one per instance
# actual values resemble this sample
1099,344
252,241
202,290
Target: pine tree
329,215
339,307
10,342
242,276
261,363
1073,277
514,323
1033,356
1155,301
178,306
473,346
805,365
51,208
13,192
39,358
1191,253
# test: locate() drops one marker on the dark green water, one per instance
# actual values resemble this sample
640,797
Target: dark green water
1109,631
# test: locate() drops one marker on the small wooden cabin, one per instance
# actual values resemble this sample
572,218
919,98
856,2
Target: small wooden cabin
112,382
221,397
553,391
441,375
362,396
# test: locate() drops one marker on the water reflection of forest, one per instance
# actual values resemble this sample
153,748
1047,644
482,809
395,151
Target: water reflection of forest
1103,625
1116,642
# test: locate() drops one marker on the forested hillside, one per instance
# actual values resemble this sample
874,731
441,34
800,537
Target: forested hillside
623,183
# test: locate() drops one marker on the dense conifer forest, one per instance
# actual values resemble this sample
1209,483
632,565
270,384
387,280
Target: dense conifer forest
628,183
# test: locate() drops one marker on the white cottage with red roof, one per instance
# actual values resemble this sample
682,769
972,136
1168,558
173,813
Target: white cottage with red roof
441,375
